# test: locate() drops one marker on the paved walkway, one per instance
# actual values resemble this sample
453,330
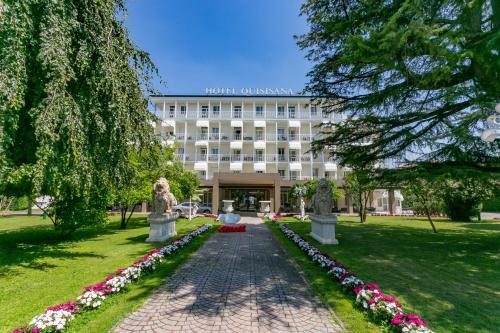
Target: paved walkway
236,282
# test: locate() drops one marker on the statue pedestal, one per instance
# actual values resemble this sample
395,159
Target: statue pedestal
265,206
323,228
161,227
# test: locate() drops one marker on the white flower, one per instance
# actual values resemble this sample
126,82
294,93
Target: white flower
91,299
53,320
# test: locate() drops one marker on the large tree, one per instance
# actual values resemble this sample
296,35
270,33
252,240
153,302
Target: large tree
416,78
146,165
72,98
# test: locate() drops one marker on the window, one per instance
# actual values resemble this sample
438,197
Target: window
214,156
281,111
259,111
324,114
259,133
281,134
314,111
292,155
216,110
293,135
183,109
294,175
259,155
236,156
215,133
204,134
204,111
315,173
281,173
237,112
237,133
281,154
291,112
203,154
171,111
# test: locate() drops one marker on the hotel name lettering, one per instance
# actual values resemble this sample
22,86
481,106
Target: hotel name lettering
249,91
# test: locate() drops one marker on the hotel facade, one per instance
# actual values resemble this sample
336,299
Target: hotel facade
252,148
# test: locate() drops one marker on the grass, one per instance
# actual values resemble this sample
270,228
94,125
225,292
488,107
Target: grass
450,278
37,269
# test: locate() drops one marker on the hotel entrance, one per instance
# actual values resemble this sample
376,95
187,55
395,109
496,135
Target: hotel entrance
247,200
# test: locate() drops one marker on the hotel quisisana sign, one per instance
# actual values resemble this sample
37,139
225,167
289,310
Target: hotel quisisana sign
249,91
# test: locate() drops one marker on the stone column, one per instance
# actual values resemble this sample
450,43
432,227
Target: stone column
392,202
215,198
348,203
277,197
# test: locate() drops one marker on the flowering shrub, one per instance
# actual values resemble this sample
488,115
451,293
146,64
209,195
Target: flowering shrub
91,299
56,318
51,321
233,228
409,323
274,217
369,297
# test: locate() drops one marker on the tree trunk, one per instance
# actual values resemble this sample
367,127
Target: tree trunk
131,212
30,206
123,214
361,208
428,213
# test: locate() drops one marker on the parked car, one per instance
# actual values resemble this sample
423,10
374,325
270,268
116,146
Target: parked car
183,208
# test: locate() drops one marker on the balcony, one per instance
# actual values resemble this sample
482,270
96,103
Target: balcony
249,114
213,157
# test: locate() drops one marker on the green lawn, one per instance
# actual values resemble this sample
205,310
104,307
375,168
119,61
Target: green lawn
451,278
38,270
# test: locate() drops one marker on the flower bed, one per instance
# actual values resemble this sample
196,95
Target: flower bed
275,217
381,308
233,228
56,318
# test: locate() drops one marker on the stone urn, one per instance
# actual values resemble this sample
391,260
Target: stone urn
265,206
229,218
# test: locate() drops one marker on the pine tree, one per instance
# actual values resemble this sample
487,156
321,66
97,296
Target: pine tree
416,77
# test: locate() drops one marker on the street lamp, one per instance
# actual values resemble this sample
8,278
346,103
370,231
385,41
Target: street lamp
492,131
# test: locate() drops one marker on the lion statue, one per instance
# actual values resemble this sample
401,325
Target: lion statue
163,199
322,201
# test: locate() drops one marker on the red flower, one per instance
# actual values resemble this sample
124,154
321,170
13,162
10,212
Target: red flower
231,228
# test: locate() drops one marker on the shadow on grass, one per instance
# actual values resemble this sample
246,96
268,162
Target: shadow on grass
447,277
30,246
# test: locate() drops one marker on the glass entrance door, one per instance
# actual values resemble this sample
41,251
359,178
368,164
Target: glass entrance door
247,200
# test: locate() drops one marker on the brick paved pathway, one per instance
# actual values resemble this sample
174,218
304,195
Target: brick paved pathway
236,282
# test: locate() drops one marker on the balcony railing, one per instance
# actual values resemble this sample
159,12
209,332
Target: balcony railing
269,158
248,115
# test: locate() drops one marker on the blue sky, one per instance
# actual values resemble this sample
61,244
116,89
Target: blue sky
221,43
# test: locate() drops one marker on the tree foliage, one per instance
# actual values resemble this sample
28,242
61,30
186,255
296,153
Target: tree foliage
72,99
460,190
417,78
463,197
146,165
423,196
359,184
308,189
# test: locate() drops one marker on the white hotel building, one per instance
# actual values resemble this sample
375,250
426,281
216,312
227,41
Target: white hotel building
248,147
